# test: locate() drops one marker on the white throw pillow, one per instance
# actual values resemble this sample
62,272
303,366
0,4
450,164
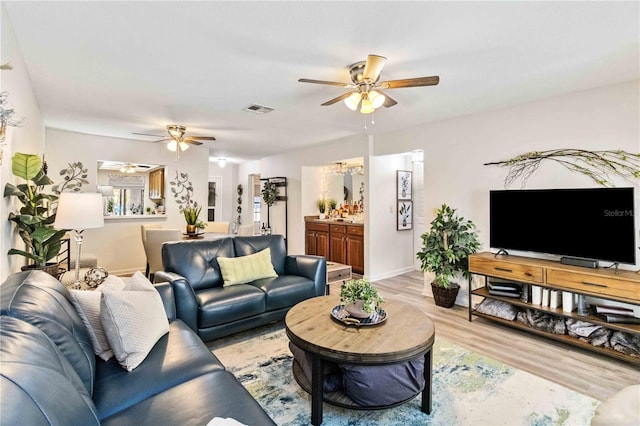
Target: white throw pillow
133,320
87,303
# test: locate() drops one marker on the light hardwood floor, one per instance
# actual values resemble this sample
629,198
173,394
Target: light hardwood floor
581,370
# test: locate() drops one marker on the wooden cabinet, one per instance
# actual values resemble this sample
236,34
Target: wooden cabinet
619,286
338,242
317,239
156,184
355,248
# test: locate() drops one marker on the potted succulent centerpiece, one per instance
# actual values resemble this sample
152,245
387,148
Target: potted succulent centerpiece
359,298
191,214
445,251
322,207
34,220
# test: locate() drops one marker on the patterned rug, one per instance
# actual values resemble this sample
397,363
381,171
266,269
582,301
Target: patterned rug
468,389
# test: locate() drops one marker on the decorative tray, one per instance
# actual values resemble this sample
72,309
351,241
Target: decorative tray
198,235
339,313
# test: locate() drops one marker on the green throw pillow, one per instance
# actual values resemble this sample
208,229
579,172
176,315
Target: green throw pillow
244,269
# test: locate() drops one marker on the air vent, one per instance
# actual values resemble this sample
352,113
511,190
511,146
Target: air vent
258,109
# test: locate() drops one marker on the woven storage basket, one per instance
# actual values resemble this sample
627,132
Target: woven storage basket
445,297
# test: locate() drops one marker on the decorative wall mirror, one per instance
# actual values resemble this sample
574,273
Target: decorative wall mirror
131,189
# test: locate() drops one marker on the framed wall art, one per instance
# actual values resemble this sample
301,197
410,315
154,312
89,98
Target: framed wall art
403,185
405,215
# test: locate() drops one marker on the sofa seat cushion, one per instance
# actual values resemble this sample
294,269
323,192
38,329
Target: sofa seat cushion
178,357
285,291
38,385
221,305
195,402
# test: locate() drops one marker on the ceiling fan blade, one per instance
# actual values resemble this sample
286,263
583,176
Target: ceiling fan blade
373,67
338,99
162,140
410,82
204,138
146,134
388,101
191,141
330,83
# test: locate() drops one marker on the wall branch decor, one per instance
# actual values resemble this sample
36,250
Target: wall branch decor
598,165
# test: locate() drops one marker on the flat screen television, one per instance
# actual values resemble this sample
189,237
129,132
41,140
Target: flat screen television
593,223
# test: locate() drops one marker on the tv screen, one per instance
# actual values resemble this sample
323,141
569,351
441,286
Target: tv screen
594,223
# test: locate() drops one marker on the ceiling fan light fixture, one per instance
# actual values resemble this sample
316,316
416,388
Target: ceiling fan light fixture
173,146
175,131
366,107
377,99
128,168
352,101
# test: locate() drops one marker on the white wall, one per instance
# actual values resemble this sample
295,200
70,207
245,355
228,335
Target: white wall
118,245
455,150
27,139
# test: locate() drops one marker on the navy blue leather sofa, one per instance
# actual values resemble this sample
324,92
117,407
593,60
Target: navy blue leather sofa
213,310
49,374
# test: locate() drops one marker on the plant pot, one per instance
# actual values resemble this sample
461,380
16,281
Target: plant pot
51,269
191,229
322,216
356,309
445,297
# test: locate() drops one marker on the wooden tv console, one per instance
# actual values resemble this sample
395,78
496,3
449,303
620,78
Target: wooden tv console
620,286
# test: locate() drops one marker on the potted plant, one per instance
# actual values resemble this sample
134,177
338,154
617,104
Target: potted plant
34,221
191,213
322,207
269,193
445,251
360,298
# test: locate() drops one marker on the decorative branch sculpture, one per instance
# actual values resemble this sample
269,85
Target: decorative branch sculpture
598,165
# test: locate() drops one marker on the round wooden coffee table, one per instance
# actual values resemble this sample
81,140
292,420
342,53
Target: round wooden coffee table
406,334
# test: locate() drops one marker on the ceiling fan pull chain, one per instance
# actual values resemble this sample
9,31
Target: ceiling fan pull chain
365,121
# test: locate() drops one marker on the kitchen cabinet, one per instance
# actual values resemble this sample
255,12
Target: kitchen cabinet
337,241
317,239
156,184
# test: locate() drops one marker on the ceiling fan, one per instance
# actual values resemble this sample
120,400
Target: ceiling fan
177,139
366,91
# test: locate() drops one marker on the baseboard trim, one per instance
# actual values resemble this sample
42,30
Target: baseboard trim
390,274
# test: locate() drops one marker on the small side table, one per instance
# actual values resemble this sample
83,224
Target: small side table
337,272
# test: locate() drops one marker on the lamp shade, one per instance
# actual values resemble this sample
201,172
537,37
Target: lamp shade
79,210
173,146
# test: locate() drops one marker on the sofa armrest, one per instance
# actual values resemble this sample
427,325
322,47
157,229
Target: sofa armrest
186,303
312,267
169,302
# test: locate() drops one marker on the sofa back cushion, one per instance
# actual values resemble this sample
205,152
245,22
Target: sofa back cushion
39,299
249,245
197,260
37,383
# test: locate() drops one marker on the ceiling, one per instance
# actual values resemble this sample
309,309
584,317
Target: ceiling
113,68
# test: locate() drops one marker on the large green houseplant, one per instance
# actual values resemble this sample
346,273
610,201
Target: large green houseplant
445,251
34,220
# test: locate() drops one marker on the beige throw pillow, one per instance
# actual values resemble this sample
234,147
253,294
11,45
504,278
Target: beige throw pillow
244,269
87,303
133,320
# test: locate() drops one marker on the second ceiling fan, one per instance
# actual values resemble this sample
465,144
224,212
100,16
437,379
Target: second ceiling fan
367,93
178,141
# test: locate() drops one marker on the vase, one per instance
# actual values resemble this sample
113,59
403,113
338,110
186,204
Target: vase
356,309
191,229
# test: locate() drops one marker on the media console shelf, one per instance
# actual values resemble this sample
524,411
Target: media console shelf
620,286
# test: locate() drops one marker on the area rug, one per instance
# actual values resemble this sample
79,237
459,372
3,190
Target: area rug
468,389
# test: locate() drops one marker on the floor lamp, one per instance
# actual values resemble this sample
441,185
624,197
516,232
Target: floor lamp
79,211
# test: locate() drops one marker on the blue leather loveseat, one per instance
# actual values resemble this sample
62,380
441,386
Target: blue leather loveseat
49,374
214,310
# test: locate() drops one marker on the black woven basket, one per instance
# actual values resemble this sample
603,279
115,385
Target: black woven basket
445,297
